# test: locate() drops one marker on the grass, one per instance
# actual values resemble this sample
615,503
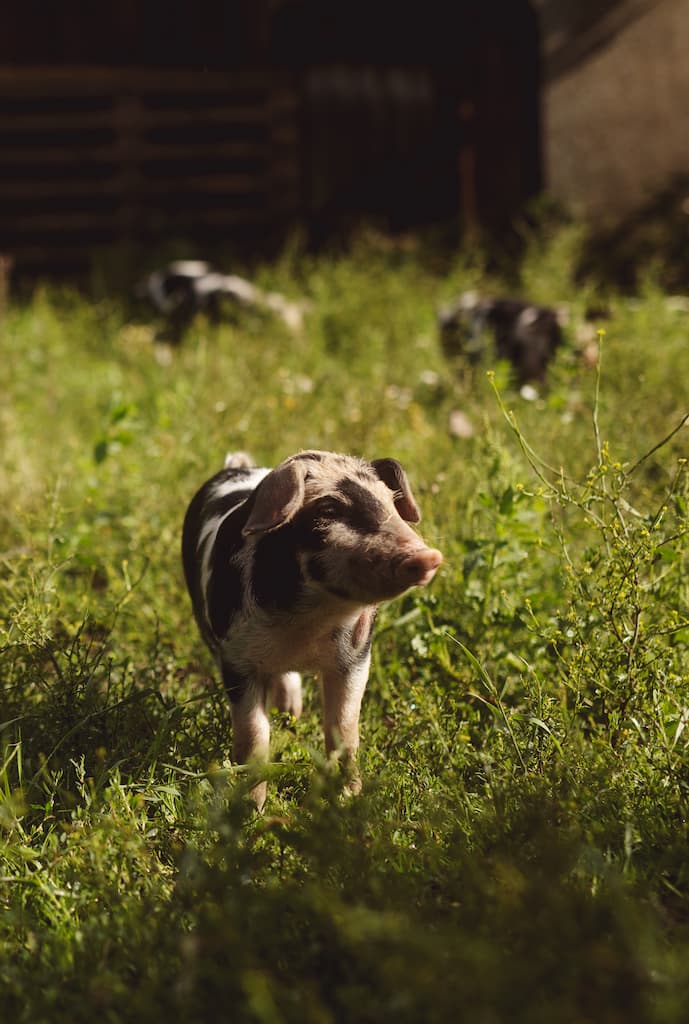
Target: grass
520,848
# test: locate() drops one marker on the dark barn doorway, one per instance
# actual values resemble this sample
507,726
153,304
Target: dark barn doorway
414,113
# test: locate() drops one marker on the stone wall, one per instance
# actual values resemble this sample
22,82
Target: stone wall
616,113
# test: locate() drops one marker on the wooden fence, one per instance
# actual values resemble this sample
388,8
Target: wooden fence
93,157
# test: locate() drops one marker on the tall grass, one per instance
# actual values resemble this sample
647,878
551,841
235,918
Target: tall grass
519,850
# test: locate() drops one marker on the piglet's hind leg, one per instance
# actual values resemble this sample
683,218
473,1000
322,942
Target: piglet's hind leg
284,693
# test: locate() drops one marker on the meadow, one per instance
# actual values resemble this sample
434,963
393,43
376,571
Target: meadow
520,848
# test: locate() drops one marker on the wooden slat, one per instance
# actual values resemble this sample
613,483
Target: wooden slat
201,115
199,150
207,183
69,187
54,124
220,184
218,218
39,81
40,155
146,151
73,221
23,123
52,250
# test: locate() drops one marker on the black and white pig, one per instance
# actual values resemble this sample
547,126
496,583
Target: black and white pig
286,568
524,334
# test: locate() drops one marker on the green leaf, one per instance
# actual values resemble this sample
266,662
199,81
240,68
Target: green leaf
506,505
100,450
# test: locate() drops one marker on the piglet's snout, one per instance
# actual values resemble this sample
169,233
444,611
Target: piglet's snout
417,567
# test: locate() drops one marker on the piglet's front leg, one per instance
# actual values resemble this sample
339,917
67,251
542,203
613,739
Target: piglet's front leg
250,727
343,683
250,718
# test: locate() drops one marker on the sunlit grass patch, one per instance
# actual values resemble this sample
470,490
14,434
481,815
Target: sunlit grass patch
519,850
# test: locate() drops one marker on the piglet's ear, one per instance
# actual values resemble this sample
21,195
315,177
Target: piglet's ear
394,477
277,499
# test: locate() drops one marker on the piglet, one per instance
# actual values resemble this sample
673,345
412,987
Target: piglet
285,569
524,334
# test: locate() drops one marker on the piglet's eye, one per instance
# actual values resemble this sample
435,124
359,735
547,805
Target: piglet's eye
329,508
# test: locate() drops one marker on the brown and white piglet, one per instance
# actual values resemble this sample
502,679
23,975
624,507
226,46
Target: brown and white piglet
286,568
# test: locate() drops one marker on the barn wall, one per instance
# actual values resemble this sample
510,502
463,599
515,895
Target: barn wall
95,157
